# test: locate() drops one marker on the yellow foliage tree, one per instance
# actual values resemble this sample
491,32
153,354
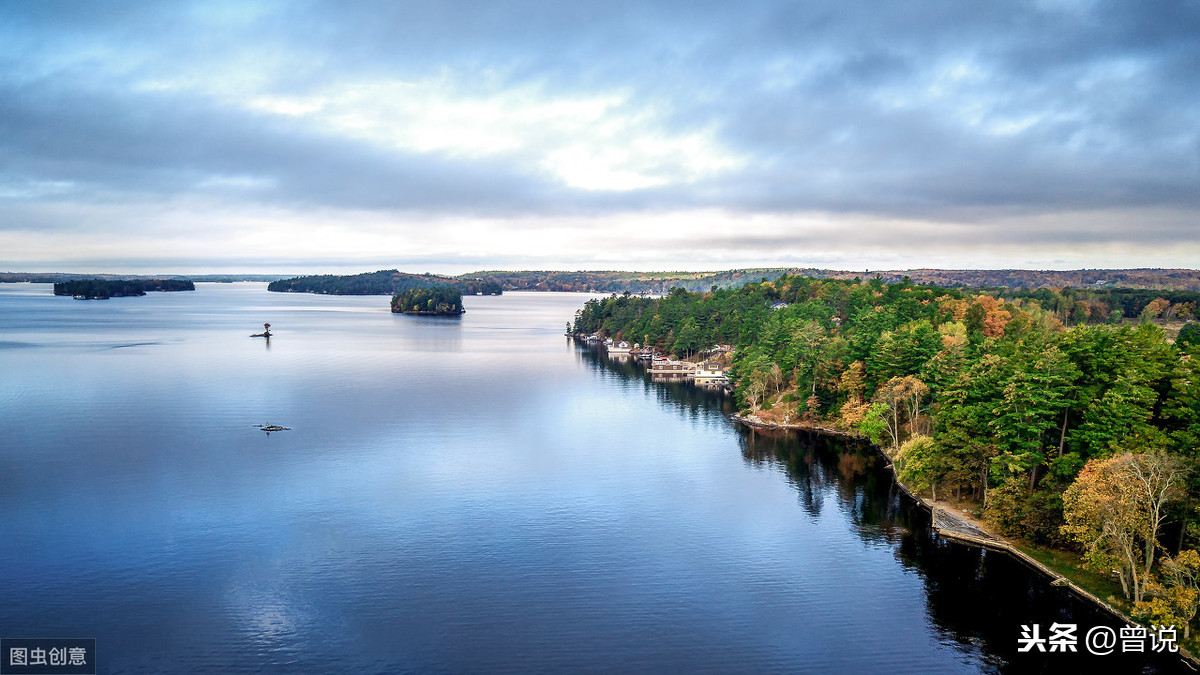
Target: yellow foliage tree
853,384
1115,509
1176,601
904,400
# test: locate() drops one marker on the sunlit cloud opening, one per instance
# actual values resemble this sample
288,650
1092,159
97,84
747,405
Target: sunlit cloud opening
594,142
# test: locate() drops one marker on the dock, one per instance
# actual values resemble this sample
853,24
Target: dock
710,374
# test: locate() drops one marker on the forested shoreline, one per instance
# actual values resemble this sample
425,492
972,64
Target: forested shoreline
1065,417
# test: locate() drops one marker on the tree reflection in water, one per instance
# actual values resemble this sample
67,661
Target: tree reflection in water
977,600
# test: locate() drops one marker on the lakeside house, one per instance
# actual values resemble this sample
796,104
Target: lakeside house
669,367
710,372
621,347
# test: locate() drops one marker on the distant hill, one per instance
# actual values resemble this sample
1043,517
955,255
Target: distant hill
1145,278
641,282
661,282
383,282
605,282
53,277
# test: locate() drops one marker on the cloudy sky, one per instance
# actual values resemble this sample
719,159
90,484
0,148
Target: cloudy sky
452,136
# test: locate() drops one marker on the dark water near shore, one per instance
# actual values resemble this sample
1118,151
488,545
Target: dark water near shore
473,494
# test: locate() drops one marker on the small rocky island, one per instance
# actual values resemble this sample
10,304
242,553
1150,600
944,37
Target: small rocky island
103,289
430,300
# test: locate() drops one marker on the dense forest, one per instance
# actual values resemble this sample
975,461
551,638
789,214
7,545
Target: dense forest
116,288
1066,417
383,282
443,300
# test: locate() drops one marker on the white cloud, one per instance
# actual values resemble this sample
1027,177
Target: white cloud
196,235
599,141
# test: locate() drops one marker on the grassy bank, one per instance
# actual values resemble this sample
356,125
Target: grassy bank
1070,565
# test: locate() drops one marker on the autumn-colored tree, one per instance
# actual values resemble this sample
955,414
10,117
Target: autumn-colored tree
903,399
1182,572
1154,309
853,385
1101,515
1176,599
988,316
953,308
1080,312
1115,509
1158,481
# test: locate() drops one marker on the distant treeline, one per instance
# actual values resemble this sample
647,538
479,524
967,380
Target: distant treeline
1144,278
383,282
618,282
116,288
438,299
1100,305
55,277
660,283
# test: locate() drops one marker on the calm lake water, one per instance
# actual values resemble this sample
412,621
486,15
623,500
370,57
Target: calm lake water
470,495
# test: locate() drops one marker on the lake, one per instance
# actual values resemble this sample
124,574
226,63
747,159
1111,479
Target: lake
454,495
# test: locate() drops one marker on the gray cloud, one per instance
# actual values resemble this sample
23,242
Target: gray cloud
936,111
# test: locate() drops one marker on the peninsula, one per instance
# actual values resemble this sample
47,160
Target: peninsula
1066,419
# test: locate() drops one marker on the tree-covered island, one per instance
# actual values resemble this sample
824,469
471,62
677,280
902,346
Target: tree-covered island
429,300
1065,418
101,289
